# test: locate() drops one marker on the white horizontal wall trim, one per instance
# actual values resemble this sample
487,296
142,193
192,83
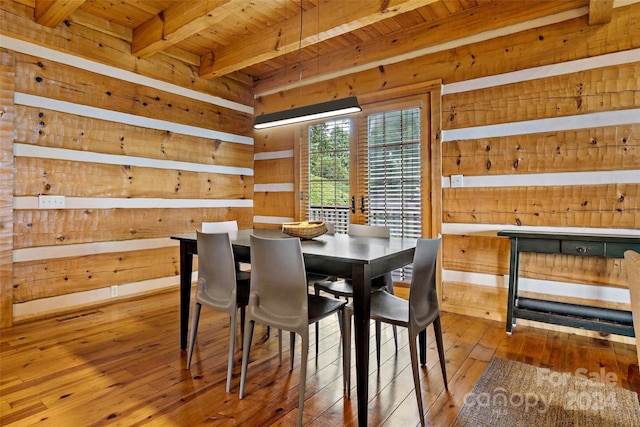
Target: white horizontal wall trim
549,287
270,155
582,121
30,202
76,299
492,229
126,118
481,279
86,249
118,73
28,150
611,59
271,219
283,187
550,179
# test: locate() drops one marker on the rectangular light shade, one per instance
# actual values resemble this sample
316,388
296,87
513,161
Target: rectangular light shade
323,110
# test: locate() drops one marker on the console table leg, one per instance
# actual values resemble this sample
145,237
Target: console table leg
513,284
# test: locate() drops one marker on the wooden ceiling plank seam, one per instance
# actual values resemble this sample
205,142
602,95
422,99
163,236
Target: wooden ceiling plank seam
279,39
52,12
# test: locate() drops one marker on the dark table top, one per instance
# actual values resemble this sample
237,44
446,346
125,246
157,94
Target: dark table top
341,247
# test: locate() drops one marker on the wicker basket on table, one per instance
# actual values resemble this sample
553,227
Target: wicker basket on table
305,229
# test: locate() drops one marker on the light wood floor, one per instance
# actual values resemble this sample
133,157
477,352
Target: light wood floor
121,365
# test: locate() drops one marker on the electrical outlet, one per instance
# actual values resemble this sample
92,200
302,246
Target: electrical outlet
456,181
51,202
114,290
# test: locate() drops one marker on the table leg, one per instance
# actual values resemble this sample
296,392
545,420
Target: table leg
361,279
513,284
186,266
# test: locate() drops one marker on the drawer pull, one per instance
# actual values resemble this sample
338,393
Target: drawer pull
581,249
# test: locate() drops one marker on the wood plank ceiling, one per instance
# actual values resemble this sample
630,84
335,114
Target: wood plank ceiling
272,43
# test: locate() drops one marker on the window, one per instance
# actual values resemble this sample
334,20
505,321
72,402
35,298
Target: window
329,165
370,169
393,183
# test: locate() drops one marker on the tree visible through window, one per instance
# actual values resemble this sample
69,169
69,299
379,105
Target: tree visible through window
329,172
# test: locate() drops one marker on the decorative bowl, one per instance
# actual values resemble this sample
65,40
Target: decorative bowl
305,229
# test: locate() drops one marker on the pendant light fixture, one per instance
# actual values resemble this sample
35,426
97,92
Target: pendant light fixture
336,107
323,110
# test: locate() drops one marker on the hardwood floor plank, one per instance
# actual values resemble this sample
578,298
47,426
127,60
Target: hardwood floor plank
121,365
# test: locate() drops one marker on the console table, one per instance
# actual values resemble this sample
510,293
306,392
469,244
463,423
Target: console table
599,319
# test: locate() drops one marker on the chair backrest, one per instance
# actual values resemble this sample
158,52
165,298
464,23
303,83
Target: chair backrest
369,230
361,230
216,269
331,227
632,264
219,226
279,280
423,298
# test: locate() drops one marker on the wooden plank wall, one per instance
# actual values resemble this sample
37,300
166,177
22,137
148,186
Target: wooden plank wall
7,77
138,152
275,167
544,125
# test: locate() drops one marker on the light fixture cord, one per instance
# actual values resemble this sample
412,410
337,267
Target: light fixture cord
300,56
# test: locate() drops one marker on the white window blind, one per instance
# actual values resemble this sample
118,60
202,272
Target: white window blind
394,171
393,152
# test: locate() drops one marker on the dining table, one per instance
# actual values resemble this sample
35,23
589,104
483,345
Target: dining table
357,258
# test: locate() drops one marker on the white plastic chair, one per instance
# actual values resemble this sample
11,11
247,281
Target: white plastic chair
279,298
217,289
312,277
242,277
416,314
344,288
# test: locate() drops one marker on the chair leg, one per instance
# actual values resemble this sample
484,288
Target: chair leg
304,353
246,348
194,331
243,315
232,347
280,346
346,351
340,317
413,350
395,336
378,333
317,292
422,347
292,345
389,288
437,329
